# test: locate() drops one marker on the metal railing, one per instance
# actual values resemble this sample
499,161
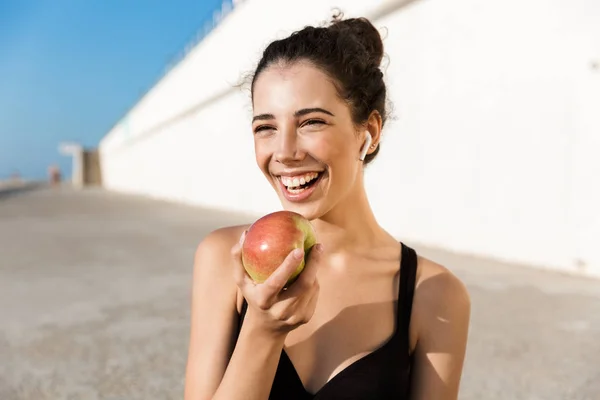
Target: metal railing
227,6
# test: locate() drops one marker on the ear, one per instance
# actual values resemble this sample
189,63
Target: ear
373,127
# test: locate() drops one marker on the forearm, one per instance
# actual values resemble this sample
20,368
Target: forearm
252,367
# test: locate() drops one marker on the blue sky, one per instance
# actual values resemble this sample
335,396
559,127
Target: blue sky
70,69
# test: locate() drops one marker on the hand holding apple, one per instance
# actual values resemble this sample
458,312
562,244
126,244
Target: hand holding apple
271,239
272,310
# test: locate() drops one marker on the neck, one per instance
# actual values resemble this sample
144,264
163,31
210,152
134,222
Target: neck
350,223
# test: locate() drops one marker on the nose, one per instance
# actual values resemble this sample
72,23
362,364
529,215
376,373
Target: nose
287,147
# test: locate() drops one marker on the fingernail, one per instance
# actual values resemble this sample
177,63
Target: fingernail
242,237
298,253
319,247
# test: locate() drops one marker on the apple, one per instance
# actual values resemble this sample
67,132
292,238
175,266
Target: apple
271,238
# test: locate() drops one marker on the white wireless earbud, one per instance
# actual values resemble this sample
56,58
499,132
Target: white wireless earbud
365,148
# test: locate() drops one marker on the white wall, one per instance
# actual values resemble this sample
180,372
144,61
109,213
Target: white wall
492,152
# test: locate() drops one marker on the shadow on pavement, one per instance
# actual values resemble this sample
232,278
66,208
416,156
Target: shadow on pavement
13,191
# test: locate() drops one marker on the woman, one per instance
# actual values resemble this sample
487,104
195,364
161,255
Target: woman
367,318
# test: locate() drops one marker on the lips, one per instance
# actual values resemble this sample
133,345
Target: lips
296,188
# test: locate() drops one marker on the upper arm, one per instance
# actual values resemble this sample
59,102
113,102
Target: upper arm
442,309
213,314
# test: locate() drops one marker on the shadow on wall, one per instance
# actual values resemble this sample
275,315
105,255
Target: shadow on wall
86,168
389,8
91,171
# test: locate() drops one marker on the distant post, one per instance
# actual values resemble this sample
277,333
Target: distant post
74,150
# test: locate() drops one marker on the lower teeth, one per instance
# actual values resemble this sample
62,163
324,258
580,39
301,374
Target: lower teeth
296,191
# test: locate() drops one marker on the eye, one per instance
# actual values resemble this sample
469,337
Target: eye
263,129
315,122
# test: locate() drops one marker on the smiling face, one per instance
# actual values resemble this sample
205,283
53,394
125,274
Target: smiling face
305,141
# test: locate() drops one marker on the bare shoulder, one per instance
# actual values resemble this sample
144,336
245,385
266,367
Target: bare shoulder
212,261
435,283
440,296
438,331
220,241
213,256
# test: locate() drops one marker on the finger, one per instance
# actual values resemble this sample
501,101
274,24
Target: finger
309,274
304,305
239,272
280,276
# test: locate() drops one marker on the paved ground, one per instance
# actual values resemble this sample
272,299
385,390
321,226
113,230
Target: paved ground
94,302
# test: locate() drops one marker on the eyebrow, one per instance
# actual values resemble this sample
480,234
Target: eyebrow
299,113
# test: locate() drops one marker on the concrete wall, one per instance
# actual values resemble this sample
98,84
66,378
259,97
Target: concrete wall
493,150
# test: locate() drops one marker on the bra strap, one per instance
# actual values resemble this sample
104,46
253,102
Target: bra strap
408,274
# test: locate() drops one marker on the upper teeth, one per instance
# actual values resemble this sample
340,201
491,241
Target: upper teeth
293,181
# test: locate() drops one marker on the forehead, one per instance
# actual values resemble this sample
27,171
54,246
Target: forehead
286,88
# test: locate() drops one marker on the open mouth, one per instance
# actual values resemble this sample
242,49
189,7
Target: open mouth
299,184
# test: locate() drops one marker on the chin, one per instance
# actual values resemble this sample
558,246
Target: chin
308,211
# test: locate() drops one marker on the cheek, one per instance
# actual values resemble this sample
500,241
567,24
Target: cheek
261,154
334,152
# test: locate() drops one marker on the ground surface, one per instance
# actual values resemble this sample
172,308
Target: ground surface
94,304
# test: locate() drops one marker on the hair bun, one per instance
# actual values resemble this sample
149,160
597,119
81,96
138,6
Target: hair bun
363,32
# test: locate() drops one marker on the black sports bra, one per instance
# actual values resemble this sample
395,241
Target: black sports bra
381,374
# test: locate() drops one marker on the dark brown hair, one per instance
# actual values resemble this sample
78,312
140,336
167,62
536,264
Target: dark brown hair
347,50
